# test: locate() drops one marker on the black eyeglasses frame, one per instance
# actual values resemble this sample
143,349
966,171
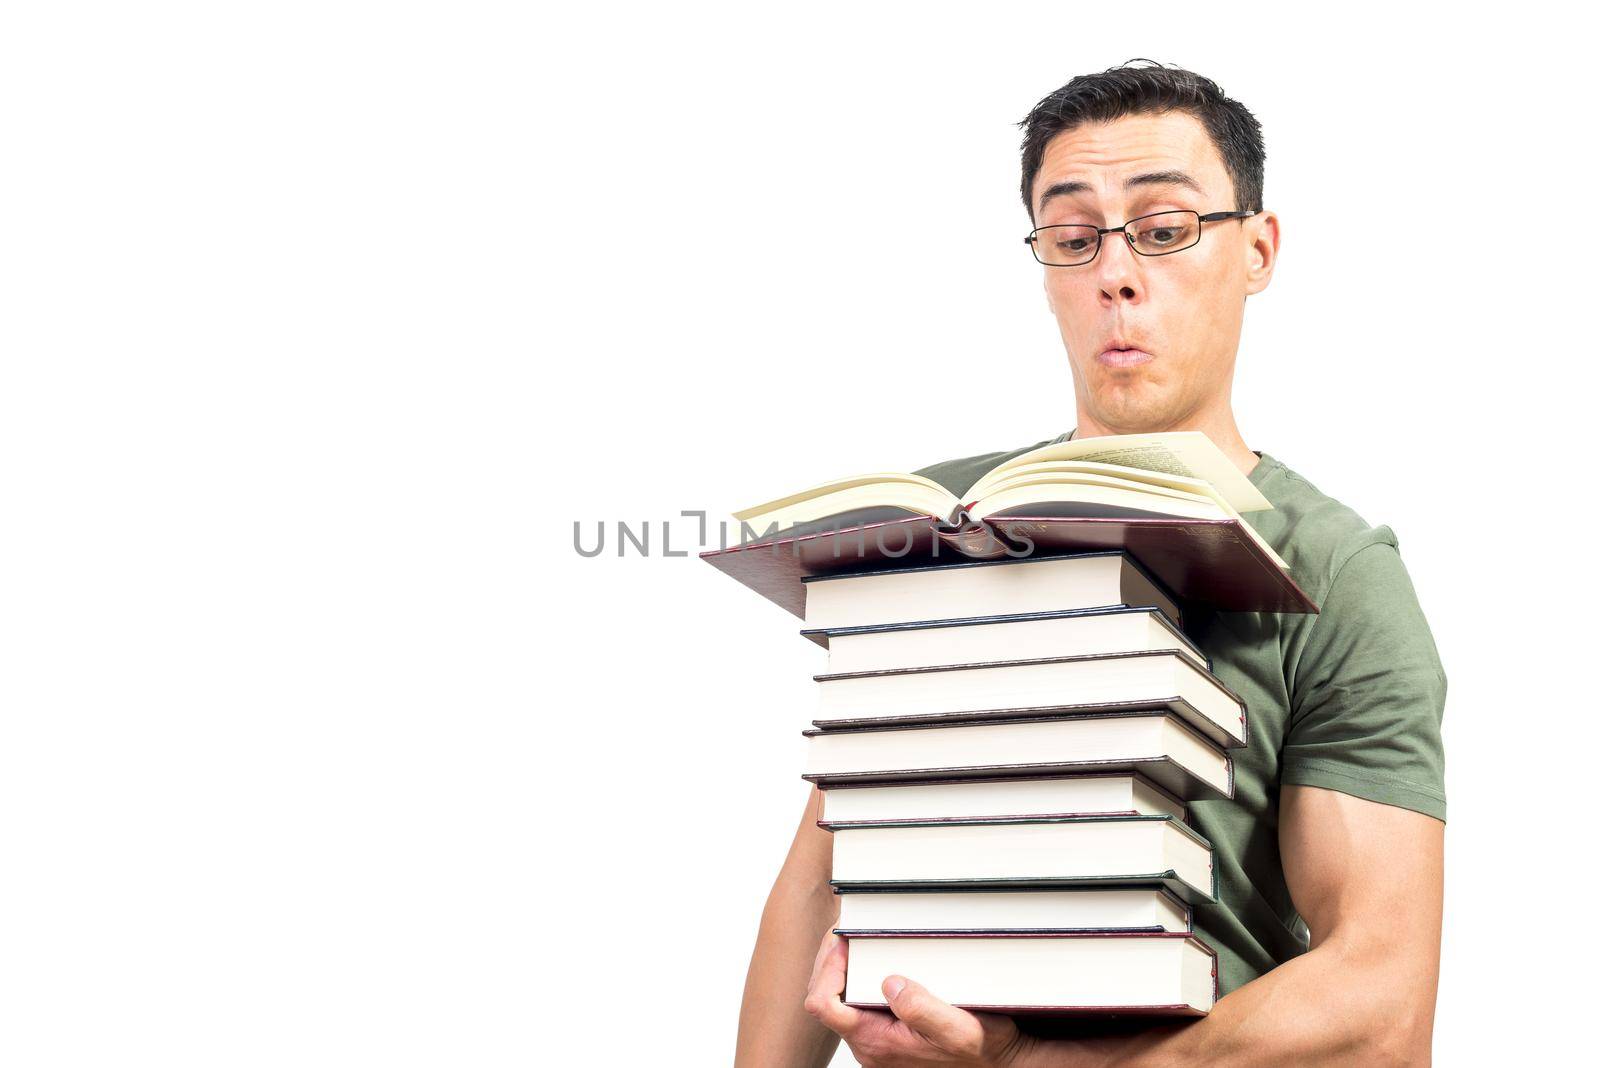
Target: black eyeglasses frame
1100,231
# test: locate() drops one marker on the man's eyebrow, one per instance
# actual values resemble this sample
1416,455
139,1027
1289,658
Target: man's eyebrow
1066,189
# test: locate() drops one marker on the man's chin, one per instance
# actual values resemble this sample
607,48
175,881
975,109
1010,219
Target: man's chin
1133,411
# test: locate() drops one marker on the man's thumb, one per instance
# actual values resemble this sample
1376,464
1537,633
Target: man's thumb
943,1025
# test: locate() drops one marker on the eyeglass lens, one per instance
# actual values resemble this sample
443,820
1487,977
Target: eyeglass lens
1155,235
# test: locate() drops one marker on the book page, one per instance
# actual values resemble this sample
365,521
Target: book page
890,480
1068,471
1110,474
885,500
1188,453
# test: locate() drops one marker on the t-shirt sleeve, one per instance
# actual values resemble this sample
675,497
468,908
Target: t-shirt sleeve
1368,689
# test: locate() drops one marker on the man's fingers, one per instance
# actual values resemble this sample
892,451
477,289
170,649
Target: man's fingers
942,1024
824,947
827,984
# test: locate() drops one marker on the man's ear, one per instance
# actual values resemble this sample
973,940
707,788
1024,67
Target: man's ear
1261,251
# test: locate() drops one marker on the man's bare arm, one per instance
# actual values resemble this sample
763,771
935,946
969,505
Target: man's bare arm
1369,881
775,1031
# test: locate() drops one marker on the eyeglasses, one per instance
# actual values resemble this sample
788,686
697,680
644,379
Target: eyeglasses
1160,234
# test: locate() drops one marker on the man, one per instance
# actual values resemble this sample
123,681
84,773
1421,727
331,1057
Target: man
1337,818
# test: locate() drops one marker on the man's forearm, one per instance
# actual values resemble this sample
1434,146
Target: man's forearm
1331,1006
775,1031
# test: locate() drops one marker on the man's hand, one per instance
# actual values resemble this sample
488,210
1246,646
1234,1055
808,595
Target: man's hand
920,1031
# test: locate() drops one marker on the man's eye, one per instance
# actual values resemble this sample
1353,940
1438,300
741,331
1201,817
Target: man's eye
1164,236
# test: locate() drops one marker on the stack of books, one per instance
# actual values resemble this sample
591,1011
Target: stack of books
1006,745
1005,749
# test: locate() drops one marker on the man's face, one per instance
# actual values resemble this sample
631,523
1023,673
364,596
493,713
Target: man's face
1182,311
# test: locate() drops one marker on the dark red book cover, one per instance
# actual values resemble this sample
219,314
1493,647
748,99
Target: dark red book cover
1212,562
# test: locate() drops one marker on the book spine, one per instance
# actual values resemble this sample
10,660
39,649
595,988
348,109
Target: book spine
977,540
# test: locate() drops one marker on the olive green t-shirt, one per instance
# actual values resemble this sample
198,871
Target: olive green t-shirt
1349,699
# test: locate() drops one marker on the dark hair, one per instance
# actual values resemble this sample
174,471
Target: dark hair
1130,90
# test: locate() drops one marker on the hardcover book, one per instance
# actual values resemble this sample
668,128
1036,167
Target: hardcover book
1046,795
1010,910
1172,501
1008,689
1067,974
1034,851
1013,636
1153,743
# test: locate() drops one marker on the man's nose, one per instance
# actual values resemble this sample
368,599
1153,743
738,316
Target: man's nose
1118,267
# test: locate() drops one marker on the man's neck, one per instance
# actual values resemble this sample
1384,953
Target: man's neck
1219,427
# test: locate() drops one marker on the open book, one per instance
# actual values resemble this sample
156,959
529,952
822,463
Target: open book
1173,501
1178,475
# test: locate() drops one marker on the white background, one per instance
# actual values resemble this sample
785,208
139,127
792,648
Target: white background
323,323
